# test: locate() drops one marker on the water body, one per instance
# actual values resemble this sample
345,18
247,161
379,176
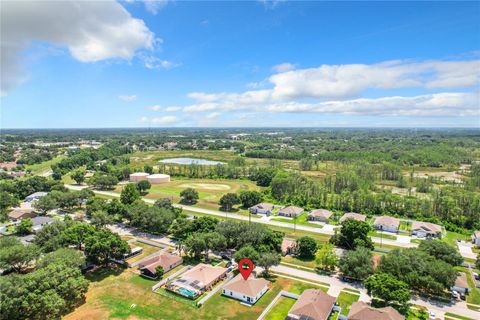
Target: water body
191,161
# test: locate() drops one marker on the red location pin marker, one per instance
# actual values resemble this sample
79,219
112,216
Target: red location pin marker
245,271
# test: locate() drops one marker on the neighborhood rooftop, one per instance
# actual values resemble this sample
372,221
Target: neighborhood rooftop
312,304
321,213
387,221
353,215
426,226
163,259
250,287
362,311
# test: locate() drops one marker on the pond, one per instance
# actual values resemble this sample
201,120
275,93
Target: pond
191,161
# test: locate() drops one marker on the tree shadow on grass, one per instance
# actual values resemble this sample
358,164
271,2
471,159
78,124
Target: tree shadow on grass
101,273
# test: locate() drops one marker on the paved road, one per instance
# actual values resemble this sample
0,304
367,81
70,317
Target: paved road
337,285
325,230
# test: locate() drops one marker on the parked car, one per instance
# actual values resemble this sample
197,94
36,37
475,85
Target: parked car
432,315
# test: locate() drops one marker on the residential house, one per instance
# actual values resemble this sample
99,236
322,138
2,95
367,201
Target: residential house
197,280
262,208
165,260
426,229
461,284
248,291
386,223
25,210
290,211
321,215
313,304
40,222
362,311
288,246
35,196
354,216
476,238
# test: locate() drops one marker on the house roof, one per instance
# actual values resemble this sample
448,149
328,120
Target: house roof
313,304
321,213
163,259
291,210
362,311
204,273
263,205
250,287
461,280
387,221
37,195
287,243
426,226
37,221
25,209
353,215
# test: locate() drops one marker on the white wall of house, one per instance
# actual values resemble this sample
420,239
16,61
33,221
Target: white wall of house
477,241
386,228
241,297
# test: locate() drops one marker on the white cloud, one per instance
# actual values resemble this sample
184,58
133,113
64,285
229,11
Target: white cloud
160,120
154,108
154,6
270,4
172,109
283,67
128,98
152,62
213,115
438,104
91,30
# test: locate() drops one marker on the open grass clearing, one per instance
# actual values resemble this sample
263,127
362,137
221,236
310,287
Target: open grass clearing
300,262
345,300
39,168
452,316
112,295
280,309
382,235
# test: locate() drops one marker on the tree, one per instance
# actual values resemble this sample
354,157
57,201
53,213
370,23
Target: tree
45,204
151,219
148,169
326,258
78,176
129,194
104,246
306,247
47,293
387,288
228,200
143,186
16,256
104,182
194,246
353,234
101,219
267,260
76,234
250,198
6,201
49,237
247,252
357,264
419,270
441,250
24,227
69,257
189,196
159,271
214,241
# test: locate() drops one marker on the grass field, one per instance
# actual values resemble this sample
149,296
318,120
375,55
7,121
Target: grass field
474,295
451,238
209,190
280,310
301,220
126,295
297,261
345,300
44,166
382,235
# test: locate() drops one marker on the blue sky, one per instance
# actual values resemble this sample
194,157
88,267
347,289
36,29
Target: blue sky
224,64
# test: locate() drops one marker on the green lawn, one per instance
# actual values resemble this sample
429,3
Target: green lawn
147,250
345,300
382,235
453,316
301,220
44,166
451,238
406,226
300,262
125,295
474,294
280,310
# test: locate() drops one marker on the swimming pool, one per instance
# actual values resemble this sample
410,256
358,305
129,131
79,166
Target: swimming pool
191,161
185,292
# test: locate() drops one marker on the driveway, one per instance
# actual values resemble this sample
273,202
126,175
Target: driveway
465,249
